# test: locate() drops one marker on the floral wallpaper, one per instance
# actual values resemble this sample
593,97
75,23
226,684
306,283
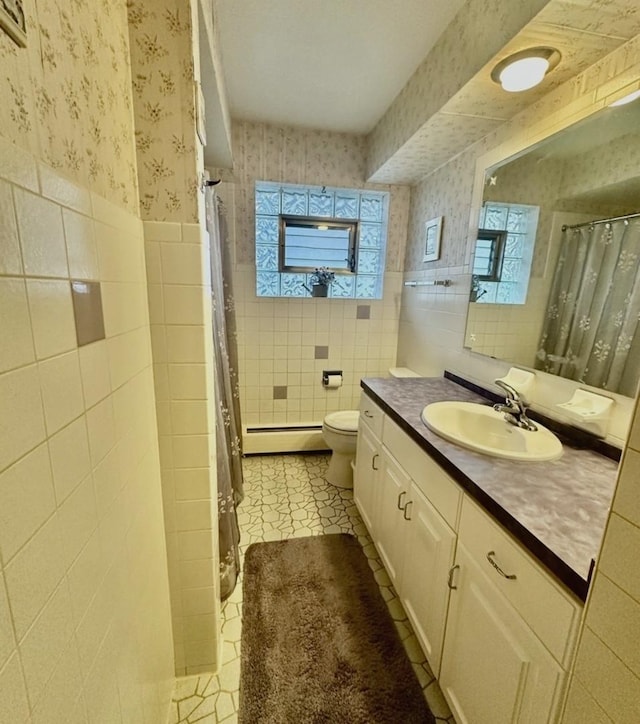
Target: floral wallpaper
446,70
66,97
445,193
294,155
162,72
451,102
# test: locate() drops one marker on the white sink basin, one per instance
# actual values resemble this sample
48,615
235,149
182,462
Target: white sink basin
481,428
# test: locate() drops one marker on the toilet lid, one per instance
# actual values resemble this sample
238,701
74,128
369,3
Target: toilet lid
346,420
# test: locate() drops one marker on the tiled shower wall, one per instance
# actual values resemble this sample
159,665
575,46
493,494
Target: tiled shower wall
85,628
169,160
179,293
284,344
606,682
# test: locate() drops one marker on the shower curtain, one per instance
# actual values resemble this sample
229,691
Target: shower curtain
227,396
589,332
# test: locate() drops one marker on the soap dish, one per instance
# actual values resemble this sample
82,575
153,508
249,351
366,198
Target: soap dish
522,381
589,409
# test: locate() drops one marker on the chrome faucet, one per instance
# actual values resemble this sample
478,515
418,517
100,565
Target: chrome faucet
514,407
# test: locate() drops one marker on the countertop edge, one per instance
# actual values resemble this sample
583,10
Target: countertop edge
561,571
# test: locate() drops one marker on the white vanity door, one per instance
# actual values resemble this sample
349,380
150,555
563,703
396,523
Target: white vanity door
429,552
390,535
367,477
494,669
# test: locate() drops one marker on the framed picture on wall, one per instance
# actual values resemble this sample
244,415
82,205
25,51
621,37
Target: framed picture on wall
13,22
432,234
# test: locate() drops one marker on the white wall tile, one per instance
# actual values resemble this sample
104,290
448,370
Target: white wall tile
192,484
582,708
182,263
185,344
189,417
78,520
194,545
22,421
94,370
608,680
615,618
101,429
162,231
44,643
81,246
197,601
41,235
183,304
27,499
107,480
15,325
193,515
33,574
64,191
191,451
10,257
51,316
13,695
7,637
58,701
61,388
70,459
84,576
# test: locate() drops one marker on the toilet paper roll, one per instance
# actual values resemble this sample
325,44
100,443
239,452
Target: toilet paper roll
333,381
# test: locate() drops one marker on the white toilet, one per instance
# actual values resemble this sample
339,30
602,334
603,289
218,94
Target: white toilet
340,432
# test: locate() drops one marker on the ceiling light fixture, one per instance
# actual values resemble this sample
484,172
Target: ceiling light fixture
625,99
525,69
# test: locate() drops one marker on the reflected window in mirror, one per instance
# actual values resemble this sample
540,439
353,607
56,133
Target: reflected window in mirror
505,245
487,260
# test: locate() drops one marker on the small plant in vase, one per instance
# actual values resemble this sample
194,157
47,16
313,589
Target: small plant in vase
320,280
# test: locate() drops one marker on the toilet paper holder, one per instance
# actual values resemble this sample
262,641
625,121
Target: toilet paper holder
327,373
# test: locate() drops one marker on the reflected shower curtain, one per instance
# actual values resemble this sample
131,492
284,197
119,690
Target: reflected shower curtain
589,332
228,425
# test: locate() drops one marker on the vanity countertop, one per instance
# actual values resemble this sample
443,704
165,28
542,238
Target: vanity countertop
556,509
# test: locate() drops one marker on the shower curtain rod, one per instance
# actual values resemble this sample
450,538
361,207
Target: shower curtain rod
600,221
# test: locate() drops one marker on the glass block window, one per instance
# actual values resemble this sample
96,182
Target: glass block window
517,224
368,208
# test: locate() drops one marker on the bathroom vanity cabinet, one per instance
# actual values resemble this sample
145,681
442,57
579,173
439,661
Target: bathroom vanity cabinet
499,631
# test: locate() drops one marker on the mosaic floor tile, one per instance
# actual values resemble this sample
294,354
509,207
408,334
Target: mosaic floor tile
287,497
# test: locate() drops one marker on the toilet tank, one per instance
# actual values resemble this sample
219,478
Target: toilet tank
402,372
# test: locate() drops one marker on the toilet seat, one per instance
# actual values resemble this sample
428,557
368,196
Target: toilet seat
344,422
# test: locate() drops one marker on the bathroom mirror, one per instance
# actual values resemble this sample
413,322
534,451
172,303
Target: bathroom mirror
566,296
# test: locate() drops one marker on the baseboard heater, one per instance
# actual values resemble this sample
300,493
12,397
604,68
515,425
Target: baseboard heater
282,438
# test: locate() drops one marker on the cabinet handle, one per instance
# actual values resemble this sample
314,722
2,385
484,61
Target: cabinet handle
373,461
401,507
452,570
509,576
368,414
406,509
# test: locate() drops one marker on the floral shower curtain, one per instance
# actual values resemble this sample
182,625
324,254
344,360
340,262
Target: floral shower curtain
589,333
228,424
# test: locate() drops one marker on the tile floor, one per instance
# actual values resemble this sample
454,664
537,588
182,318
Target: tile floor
286,496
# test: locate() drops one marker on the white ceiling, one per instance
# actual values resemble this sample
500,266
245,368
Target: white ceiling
325,64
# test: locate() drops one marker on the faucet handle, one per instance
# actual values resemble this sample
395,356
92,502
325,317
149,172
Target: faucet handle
512,393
